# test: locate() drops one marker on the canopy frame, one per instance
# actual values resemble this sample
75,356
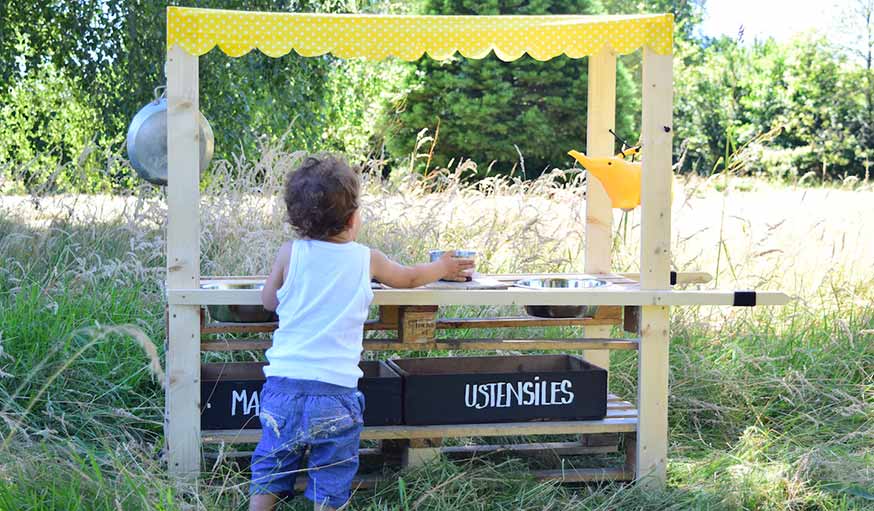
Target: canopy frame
409,37
182,412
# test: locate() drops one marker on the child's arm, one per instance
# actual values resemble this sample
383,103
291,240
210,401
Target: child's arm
397,275
276,278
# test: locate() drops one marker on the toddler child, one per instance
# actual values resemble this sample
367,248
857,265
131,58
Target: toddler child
319,287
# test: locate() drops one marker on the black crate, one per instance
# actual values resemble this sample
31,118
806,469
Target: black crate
383,394
470,390
230,395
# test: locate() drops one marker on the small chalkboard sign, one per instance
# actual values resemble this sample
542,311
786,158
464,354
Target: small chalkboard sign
230,395
501,389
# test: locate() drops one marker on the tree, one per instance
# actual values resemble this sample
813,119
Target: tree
108,57
487,108
687,13
857,28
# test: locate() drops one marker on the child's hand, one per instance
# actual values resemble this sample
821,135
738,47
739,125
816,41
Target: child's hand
454,268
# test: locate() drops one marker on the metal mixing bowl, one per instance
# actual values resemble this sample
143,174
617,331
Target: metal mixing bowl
238,313
560,311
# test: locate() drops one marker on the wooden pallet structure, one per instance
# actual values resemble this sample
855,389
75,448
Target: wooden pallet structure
641,302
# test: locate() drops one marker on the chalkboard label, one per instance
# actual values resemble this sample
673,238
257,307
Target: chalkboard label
501,389
230,395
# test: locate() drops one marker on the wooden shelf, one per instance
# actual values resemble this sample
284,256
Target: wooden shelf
446,344
621,418
217,327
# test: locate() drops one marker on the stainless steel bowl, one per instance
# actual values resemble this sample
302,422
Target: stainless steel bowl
560,311
238,313
460,254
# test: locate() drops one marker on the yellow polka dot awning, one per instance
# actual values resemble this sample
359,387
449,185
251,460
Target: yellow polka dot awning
377,37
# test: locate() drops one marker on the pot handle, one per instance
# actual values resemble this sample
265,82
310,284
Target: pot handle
162,95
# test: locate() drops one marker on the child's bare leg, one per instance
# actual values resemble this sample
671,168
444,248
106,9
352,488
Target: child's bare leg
262,502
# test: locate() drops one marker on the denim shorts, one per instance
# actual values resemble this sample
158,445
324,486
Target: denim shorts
304,415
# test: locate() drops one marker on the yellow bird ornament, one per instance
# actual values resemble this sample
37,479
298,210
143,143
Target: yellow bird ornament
621,178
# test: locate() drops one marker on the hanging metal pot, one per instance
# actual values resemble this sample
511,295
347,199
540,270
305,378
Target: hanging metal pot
147,141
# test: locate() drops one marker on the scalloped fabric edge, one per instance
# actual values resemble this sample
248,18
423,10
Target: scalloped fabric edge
376,37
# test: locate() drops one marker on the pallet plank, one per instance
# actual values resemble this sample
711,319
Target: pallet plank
584,475
609,425
606,316
540,448
445,344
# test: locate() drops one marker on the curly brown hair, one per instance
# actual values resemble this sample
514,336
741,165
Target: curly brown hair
320,196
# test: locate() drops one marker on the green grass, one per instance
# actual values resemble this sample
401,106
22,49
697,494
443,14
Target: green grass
770,408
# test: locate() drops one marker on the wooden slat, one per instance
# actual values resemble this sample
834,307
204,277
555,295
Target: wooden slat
619,295
630,446
570,475
600,119
464,451
584,475
657,131
692,277
655,259
554,448
220,327
631,319
611,316
682,277
652,392
612,278
610,425
445,344
236,345
605,316
182,388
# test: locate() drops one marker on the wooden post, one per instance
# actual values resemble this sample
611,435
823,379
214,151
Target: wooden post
601,118
182,388
655,257
417,323
421,451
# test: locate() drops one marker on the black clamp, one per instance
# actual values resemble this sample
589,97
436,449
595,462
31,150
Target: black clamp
673,278
744,299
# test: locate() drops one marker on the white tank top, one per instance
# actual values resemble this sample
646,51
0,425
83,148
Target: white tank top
323,305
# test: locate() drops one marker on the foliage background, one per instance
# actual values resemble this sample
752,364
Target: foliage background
493,111
73,74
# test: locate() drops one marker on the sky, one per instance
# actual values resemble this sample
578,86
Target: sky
763,18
